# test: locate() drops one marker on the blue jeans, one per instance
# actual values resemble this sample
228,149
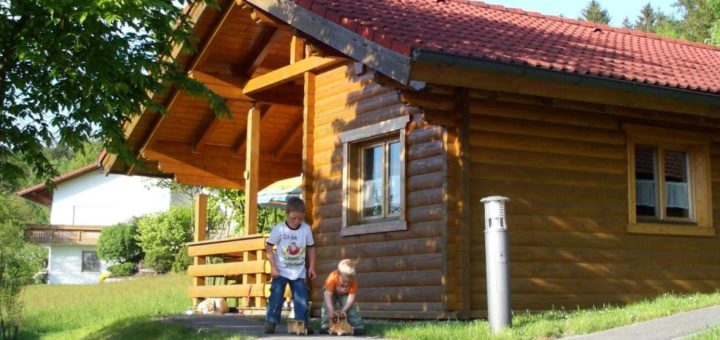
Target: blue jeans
300,294
338,302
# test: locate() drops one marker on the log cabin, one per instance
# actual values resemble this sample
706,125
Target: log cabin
402,115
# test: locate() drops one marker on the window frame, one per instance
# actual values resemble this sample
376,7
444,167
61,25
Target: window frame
82,262
354,142
697,146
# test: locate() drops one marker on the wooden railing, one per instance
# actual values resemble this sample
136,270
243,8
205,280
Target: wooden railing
231,268
244,273
62,234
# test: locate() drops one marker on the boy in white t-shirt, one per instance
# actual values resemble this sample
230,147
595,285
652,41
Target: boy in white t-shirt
294,240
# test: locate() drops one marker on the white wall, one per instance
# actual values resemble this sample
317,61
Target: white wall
99,200
65,266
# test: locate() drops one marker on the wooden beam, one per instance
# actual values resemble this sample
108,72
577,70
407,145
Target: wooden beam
261,47
156,125
214,182
200,235
290,136
240,142
203,52
231,268
252,170
288,73
297,48
224,86
370,53
308,143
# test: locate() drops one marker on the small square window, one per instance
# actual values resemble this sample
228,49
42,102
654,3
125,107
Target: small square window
374,178
669,182
90,261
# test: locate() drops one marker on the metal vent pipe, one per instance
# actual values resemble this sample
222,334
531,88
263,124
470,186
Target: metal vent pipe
497,263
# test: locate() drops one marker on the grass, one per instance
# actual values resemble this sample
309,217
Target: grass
131,309
552,324
120,310
711,333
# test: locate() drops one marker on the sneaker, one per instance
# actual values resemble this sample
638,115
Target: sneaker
310,331
358,332
269,328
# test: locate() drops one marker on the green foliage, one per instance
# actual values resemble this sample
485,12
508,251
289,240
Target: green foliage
714,6
75,70
19,261
594,13
118,243
163,235
122,269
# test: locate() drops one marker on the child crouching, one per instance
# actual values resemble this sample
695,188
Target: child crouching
339,297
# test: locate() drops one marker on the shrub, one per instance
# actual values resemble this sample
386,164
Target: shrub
118,243
122,269
163,235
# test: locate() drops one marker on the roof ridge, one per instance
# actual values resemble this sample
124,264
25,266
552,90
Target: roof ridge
619,30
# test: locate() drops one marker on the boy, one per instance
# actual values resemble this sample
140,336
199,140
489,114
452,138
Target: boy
293,239
340,290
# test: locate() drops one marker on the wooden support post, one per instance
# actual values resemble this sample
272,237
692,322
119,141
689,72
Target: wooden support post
260,279
307,144
200,235
297,47
252,173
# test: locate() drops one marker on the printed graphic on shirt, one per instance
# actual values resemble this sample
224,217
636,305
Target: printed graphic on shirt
293,255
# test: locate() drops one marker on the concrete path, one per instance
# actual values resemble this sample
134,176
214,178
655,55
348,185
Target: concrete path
235,324
675,326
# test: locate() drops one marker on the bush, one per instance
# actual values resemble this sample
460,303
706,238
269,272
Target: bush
122,269
162,237
118,243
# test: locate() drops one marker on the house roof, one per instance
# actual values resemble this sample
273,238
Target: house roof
495,33
41,193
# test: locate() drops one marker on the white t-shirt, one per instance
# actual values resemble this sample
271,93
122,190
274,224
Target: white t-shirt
291,248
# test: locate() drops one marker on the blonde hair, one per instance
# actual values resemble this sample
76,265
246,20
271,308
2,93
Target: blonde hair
347,267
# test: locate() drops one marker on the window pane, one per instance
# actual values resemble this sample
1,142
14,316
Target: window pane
90,262
394,183
372,186
645,181
677,192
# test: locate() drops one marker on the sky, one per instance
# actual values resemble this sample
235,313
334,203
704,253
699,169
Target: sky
618,9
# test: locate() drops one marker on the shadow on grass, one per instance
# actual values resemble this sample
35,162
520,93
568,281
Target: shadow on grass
143,328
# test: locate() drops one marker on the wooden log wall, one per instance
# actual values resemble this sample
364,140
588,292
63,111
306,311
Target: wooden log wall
400,272
563,164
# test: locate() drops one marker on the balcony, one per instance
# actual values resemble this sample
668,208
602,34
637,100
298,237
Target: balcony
62,234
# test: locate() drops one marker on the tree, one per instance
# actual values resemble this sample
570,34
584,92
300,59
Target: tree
76,70
162,237
647,19
594,13
118,243
714,6
697,19
626,23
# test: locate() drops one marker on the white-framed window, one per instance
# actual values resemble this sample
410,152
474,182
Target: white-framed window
374,178
90,261
669,184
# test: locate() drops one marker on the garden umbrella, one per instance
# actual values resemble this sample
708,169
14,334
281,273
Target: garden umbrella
276,195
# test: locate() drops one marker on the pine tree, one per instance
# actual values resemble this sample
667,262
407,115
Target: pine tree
647,19
626,23
594,13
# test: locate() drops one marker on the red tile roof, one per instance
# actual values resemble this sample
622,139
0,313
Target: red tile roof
491,32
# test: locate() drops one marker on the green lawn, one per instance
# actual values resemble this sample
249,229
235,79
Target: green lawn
120,310
129,309
553,324
711,333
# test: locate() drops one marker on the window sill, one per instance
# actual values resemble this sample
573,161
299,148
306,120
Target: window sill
374,227
671,229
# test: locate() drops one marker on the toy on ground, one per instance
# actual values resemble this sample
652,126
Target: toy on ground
340,326
296,327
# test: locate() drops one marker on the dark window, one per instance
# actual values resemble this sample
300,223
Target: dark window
90,261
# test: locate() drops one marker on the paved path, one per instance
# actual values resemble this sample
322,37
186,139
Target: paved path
233,323
675,326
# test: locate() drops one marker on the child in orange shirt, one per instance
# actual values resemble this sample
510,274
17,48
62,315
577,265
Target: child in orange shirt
340,289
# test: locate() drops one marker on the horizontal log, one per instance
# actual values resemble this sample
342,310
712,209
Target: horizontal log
544,129
425,213
390,248
601,286
399,278
233,291
424,150
425,181
558,301
401,294
522,173
386,263
546,160
520,142
365,307
229,269
409,315
327,231
423,135
229,246
425,165
425,197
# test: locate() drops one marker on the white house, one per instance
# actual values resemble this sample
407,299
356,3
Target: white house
81,204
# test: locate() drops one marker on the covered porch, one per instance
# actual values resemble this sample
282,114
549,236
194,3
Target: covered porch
264,70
